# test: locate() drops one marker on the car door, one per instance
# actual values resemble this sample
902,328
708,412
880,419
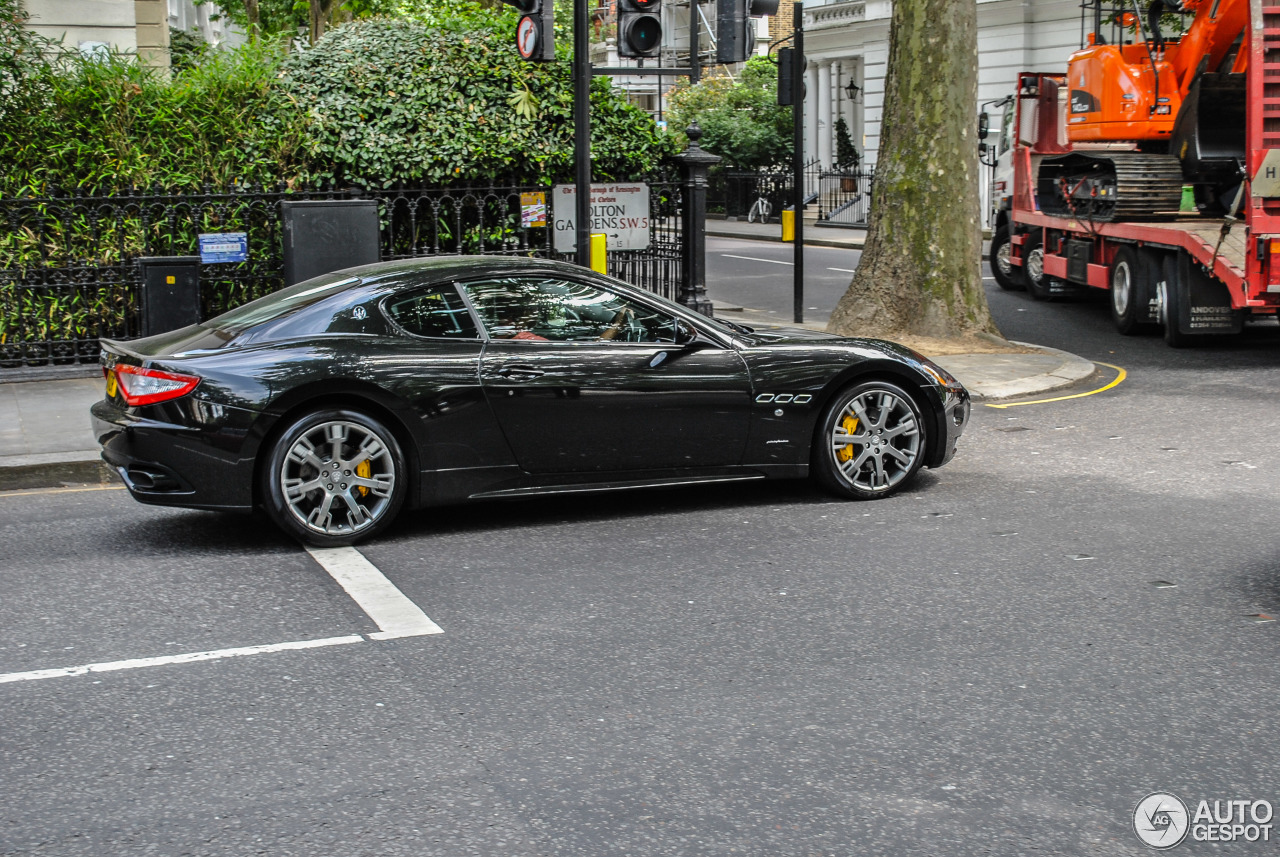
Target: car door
584,379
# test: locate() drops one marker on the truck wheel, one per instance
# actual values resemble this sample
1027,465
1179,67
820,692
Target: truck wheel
1129,289
1033,267
1006,275
1171,303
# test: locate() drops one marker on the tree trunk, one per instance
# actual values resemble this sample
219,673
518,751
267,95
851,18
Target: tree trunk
255,18
921,269
319,11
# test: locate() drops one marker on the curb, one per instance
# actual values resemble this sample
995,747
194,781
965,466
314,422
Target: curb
54,470
1071,370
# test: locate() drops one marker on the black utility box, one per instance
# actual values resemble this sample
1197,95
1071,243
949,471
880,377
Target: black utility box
326,235
170,292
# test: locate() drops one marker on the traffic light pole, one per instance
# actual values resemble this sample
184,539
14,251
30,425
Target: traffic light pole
797,159
582,129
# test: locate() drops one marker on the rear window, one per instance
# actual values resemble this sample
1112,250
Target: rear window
435,312
280,304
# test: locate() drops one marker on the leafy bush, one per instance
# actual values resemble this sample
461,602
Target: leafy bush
25,67
375,102
451,100
110,123
186,49
740,120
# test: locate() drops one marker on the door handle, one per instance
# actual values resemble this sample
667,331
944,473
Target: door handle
517,373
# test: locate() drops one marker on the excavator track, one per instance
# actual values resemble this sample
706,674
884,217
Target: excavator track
1106,186
1146,186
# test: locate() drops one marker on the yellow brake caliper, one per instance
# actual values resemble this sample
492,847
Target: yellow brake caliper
845,452
364,470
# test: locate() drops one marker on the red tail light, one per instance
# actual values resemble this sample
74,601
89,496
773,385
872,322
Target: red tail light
147,386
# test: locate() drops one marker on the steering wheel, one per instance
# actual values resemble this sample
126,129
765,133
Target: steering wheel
616,326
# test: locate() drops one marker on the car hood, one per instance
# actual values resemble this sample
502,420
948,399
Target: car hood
778,335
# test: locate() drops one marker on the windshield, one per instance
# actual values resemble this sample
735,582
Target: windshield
721,325
280,304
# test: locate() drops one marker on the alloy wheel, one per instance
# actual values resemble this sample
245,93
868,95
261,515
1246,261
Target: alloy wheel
875,440
338,478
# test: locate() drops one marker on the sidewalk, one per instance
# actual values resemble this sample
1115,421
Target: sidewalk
45,440
814,236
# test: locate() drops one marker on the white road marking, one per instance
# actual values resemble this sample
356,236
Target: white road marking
754,259
386,605
843,270
190,657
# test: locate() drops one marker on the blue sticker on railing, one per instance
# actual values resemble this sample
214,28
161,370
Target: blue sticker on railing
224,247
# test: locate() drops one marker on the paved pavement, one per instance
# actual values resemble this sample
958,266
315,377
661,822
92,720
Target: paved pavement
45,441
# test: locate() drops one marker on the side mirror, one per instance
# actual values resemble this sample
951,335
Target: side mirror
984,125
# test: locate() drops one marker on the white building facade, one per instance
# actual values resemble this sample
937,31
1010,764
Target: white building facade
206,19
127,26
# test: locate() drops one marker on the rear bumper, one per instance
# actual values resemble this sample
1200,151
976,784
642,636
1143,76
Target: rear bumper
208,464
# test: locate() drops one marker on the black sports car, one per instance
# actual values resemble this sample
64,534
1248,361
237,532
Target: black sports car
335,402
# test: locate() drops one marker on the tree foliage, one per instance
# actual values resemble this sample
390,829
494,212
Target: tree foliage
740,120
374,102
24,58
110,122
412,101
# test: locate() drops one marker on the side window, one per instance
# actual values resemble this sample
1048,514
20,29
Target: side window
1006,128
436,312
561,310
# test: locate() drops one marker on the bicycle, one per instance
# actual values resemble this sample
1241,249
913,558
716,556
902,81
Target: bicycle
760,211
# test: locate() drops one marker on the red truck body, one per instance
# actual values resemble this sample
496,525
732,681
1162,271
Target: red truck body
1178,270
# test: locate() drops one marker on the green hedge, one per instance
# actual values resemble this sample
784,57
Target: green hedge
375,102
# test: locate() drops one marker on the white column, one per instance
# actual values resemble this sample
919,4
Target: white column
811,102
856,126
825,121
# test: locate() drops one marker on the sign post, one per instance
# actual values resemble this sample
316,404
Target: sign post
620,211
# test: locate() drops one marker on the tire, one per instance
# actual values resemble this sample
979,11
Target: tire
1033,267
1006,275
1129,290
1170,301
326,506
871,441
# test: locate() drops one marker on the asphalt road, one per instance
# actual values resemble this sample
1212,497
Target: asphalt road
993,663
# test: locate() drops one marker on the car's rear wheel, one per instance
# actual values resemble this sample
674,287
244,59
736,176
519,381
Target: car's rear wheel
333,477
871,441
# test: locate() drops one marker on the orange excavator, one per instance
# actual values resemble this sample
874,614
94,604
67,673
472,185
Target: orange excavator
1146,113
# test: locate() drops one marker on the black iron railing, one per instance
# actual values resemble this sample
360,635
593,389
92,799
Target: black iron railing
68,272
840,196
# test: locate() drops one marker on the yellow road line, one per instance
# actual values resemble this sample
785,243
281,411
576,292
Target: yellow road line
27,492
1119,377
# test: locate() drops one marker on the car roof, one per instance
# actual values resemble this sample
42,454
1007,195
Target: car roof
457,266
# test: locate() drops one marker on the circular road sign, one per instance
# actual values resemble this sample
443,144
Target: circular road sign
527,37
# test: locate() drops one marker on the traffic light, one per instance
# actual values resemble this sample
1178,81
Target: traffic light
786,77
535,34
735,31
639,28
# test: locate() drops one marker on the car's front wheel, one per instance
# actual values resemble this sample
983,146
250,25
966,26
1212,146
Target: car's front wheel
333,477
871,441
